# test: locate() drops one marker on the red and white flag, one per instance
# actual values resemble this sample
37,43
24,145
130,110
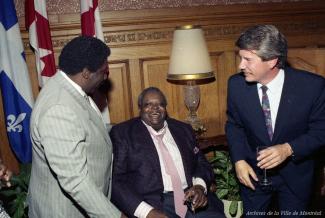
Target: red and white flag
90,19
37,23
92,26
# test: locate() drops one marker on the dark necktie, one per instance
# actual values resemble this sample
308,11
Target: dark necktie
171,170
267,112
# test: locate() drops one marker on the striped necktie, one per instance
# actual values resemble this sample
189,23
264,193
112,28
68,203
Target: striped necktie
267,111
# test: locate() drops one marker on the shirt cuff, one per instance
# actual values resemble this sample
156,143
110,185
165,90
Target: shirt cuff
291,150
142,210
199,181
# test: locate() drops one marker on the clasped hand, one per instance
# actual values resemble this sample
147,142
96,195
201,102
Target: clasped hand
273,156
267,159
196,196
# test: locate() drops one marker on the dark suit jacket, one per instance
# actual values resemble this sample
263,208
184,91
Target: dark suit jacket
136,169
300,122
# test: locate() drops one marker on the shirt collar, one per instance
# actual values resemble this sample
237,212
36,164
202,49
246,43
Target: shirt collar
75,85
153,131
276,83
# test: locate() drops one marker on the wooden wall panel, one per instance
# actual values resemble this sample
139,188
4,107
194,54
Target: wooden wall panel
30,60
209,108
310,59
120,106
140,42
225,70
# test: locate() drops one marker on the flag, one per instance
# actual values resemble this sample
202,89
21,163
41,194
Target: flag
91,26
15,83
37,23
90,19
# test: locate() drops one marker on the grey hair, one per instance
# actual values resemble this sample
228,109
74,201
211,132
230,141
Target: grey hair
151,89
268,42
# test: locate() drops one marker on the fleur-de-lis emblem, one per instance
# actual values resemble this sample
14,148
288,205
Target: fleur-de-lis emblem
14,123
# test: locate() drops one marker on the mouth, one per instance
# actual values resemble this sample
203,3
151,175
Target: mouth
246,73
155,115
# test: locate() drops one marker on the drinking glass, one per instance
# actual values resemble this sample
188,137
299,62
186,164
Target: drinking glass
264,181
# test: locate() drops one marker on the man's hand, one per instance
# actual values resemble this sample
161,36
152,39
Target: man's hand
154,213
5,175
196,195
244,171
273,156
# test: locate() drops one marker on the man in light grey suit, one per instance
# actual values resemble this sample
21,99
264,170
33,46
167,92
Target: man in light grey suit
72,152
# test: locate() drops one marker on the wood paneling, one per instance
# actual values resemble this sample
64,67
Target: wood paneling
309,59
140,42
120,106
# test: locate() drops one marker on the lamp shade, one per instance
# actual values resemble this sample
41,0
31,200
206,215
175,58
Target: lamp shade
189,58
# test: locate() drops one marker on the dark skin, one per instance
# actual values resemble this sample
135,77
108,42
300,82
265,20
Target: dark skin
88,80
153,112
5,175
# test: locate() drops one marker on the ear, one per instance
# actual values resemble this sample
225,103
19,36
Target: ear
272,63
85,73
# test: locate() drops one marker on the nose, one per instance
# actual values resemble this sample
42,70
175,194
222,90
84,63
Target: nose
241,65
155,106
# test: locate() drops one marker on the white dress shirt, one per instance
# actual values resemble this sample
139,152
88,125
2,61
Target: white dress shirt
274,91
144,208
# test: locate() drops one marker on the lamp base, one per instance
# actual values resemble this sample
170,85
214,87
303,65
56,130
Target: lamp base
192,100
196,123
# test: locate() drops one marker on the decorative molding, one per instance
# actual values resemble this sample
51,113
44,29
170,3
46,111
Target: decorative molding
227,31
135,37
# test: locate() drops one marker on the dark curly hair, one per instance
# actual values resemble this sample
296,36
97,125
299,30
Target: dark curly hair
83,52
268,42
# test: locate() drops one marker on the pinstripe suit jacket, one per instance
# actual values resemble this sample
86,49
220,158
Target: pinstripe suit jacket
72,155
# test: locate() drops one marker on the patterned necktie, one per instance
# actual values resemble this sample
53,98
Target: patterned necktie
267,112
171,170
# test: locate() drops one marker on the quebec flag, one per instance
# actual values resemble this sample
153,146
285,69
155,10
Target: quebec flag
15,83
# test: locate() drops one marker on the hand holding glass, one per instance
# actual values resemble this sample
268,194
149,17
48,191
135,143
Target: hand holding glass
264,181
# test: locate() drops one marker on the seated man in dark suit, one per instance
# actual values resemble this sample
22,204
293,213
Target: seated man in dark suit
158,170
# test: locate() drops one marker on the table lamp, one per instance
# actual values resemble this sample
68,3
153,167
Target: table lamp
189,64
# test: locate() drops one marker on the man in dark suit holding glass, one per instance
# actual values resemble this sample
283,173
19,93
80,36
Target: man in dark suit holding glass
281,108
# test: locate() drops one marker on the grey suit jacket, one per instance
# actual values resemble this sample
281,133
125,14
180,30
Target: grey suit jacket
72,156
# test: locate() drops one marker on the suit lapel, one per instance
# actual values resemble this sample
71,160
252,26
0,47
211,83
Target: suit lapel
94,117
145,141
285,105
255,113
